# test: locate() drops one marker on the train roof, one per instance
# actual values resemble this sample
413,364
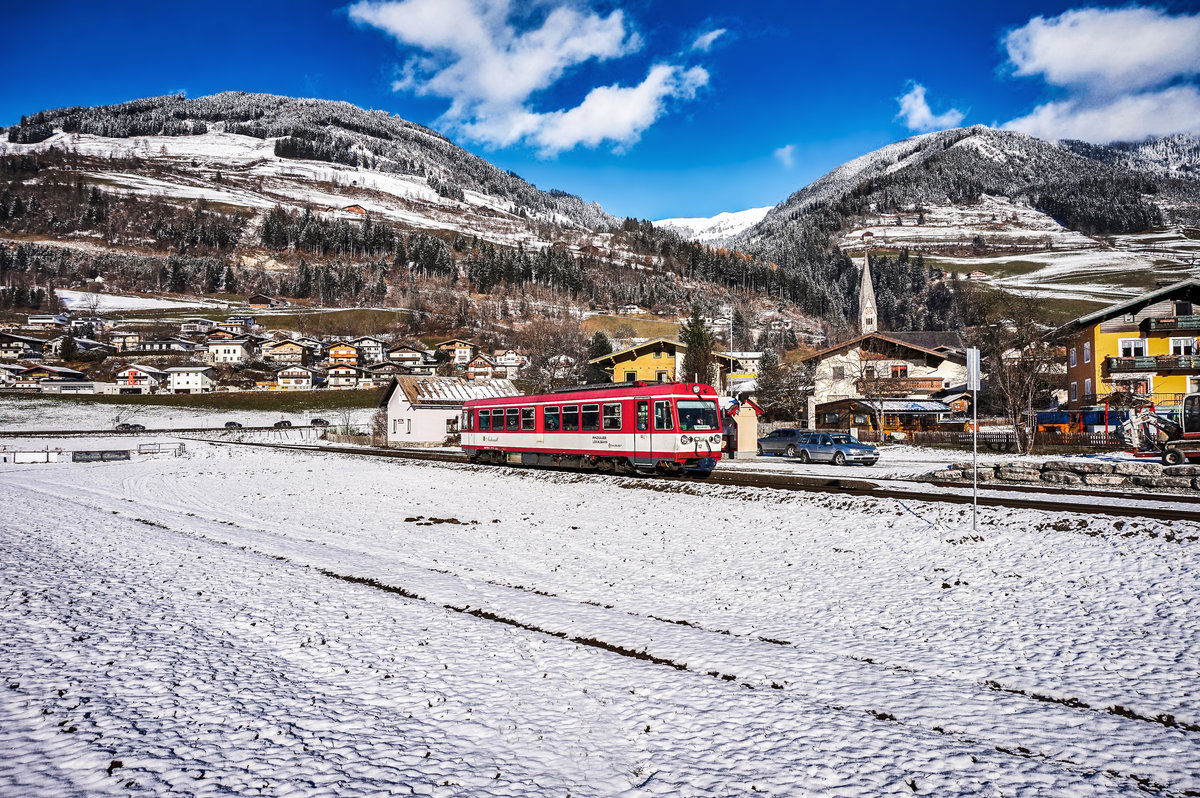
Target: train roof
586,393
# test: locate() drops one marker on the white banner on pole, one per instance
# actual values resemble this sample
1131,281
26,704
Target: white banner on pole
972,369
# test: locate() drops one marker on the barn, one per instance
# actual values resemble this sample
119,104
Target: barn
426,409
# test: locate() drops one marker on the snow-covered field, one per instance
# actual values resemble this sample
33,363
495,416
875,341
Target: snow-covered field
83,301
22,413
259,622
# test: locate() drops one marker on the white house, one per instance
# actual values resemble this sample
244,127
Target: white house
190,379
136,378
426,409
370,350
296,378
233,350
196,325
346,376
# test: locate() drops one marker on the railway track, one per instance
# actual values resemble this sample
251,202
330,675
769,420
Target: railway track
1160,507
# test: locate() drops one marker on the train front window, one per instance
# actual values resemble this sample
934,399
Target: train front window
697,414
551,415
663,418
485,421
1191,414
527,423
570,418
512,420
591,417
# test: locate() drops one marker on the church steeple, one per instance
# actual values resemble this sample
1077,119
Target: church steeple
868,314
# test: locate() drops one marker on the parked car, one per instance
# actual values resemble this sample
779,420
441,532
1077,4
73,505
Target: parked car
123,427
319,422
232,425
838,448
784,442
283,423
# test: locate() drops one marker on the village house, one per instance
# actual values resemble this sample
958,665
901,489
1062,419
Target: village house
47,322
878,381
235,327
481,367
370,350
125,340
35,375
509,363
196,326
284,351
166,346
8,374
658,359
264,301
342,354
426,409
136,378
20,347
346,377
82,345
460,350
191,379
1143,348
297,378
231,351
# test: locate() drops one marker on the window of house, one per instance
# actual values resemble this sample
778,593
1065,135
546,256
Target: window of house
1183,346
860,419
612,416
527,419
661,376
658,354
1071,357
891,421
839,372
830,419
1133,347
1074,392
512,419
899,372
663,418
1183,308
630,376
869,373
570,418
1087,387
591,417
550,417
1087,351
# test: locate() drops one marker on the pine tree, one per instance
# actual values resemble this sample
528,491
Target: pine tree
698,359
599,347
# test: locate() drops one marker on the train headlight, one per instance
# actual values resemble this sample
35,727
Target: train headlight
685,439
716,439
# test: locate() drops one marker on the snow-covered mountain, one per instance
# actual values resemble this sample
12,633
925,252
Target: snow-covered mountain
254,150
717,229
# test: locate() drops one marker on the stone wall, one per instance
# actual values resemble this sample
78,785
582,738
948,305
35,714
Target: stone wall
1083,473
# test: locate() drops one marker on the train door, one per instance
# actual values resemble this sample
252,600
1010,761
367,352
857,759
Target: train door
643,441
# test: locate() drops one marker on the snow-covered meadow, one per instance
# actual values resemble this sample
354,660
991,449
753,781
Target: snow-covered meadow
264,622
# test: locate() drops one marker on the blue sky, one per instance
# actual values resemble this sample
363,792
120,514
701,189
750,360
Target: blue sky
653,109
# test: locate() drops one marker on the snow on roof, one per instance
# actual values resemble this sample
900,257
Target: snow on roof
449,390
913,406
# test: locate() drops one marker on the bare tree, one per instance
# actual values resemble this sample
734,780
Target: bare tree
557,352
1021,367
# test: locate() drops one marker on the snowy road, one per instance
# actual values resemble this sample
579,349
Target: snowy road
278,623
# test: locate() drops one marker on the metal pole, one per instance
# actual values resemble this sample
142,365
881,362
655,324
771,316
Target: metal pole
974,461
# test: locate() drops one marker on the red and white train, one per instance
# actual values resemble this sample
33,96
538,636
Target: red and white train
642,427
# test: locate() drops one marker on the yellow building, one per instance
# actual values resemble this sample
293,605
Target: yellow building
1144,347
658,359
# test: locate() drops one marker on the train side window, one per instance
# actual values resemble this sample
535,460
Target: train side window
551,419
612,416
643,416
570,418
485,420
512,419
663,419
591,417
527,422
497,419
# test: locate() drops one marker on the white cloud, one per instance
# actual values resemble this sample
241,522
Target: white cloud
917,115
705,40
1107,51
1126,73
786,155
472,53
1129,118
